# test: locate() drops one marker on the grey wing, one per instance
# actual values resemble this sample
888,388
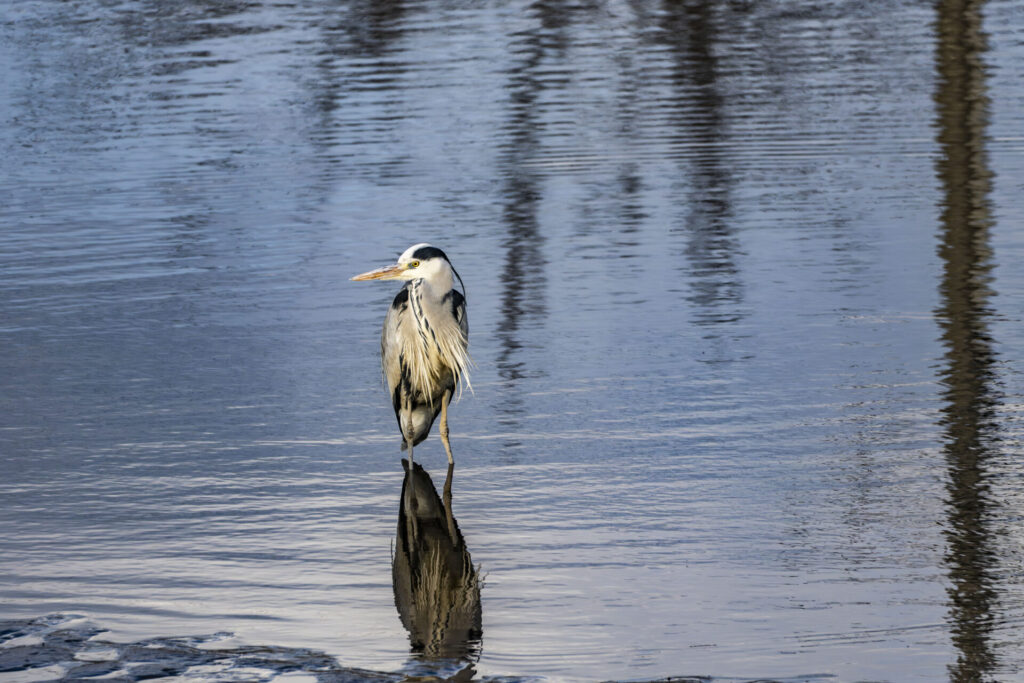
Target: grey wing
459,311
390,345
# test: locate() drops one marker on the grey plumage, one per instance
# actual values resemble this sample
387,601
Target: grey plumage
410,341
424,342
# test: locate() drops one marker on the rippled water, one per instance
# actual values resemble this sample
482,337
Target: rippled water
744,286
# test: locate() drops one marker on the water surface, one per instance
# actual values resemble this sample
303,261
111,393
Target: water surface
744,287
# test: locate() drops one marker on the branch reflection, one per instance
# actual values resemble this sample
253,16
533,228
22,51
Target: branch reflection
968,374
691,31
437,588
523,276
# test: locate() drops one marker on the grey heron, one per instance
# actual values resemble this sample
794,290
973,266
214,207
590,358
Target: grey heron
423,346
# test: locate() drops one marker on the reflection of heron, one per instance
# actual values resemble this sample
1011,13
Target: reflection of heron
437,589
423,345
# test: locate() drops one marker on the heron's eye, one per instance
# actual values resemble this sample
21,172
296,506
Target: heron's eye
414,264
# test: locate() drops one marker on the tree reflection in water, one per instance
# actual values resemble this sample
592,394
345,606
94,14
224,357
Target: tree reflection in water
968,374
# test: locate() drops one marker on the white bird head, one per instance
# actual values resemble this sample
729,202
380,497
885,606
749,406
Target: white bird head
420,261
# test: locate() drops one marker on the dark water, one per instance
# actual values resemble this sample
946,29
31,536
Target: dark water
745,293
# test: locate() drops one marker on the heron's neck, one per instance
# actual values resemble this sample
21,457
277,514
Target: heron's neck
436,286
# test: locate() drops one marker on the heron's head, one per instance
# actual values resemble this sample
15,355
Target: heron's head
418,261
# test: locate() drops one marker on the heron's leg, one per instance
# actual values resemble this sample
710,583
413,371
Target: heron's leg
444,425
408,429
409,507
449,516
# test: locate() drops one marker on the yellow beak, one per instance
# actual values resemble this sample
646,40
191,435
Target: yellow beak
386,273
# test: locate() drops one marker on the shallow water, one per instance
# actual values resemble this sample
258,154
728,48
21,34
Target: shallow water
744,287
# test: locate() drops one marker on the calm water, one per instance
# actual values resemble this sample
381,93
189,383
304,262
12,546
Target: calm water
745,293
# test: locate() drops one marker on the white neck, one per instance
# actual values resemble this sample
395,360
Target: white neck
437,279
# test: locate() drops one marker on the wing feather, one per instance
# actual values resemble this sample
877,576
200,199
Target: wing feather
391,344
459,311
